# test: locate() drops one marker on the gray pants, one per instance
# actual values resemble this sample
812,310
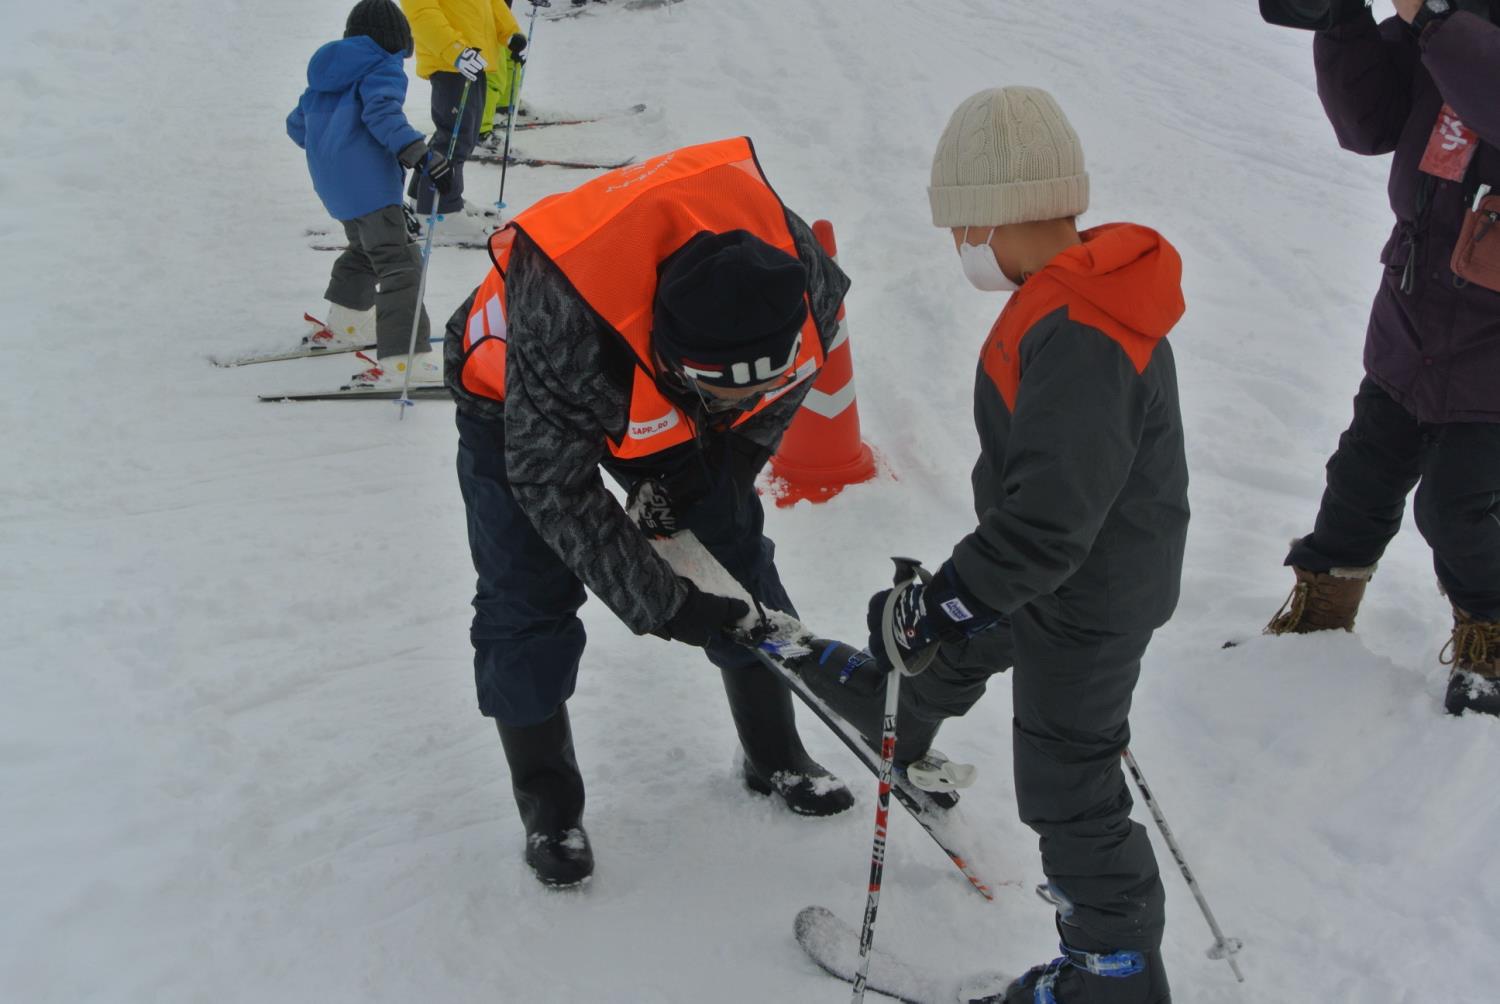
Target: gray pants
381,254
1071,695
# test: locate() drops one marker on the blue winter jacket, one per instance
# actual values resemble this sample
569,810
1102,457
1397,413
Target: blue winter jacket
351,124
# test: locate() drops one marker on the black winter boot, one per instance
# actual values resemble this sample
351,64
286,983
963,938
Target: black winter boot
549,792
1088,977
775,761
850,682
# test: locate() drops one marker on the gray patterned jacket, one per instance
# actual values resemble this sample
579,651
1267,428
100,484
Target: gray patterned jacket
567,385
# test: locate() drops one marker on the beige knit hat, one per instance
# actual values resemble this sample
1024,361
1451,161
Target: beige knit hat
1007,156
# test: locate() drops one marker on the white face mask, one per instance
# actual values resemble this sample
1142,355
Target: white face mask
981,268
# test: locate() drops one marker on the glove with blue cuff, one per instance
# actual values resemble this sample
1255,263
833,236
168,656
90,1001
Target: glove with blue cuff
942,610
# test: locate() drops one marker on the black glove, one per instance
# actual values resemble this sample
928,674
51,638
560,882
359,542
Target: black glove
439,170
703,617
517,46
942,610
417,156
1314,15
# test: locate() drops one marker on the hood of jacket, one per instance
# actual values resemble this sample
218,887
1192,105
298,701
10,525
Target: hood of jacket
338,64
1128,272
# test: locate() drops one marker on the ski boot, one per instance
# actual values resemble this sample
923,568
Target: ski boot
345,329
1084,977
1474,653
389,373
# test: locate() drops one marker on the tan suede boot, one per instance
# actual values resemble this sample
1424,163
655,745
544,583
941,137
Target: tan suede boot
1474,653
1321,601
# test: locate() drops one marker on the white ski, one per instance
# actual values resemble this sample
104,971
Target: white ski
834,946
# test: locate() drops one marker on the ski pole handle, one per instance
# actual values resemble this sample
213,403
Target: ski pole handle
909,574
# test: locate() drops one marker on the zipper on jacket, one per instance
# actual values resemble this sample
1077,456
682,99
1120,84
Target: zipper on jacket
1424,199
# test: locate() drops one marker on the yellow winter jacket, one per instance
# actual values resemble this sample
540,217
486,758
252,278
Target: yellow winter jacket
444,28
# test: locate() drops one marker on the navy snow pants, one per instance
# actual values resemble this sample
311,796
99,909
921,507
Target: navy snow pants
447,89
528,640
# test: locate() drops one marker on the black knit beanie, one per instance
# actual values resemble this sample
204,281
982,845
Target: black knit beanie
382,21
729,309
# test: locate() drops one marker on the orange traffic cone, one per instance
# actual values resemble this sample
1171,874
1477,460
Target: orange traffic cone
821,451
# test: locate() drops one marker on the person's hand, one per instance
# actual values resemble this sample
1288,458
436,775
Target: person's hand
417,156
517,47
703,617
439,171
939,611
470,63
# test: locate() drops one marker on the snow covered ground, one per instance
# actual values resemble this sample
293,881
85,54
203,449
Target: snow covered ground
239,757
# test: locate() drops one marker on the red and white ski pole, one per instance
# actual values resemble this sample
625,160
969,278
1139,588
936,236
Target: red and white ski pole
909,574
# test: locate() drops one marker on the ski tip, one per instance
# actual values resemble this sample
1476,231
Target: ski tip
812,921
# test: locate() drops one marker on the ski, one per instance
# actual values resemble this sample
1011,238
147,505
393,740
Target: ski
418,392
324,239
521,160
947,827
834,946
301,352
437,242
542,122
306,350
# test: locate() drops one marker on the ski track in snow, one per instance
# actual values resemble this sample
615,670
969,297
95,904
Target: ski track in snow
239,757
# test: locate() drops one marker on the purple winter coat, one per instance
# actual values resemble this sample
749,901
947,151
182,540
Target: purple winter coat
1436,348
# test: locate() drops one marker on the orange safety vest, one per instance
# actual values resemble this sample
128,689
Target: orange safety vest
608,236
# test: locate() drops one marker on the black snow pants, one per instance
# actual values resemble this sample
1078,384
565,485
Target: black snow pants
1381,457
1071,695
447,92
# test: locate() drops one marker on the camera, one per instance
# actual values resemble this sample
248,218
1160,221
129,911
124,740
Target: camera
1313,15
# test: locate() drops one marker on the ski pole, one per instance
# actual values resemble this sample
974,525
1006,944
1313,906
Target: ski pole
1222,948
405,401
909,573
516,80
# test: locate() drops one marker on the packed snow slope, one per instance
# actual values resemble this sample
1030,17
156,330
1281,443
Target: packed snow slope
239,755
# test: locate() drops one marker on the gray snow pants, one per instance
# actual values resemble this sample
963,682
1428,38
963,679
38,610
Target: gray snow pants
381,268
1071,695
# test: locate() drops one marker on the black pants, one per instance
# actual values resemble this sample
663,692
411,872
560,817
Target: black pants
447,92
381,253
1072,692
1455,468
528,640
